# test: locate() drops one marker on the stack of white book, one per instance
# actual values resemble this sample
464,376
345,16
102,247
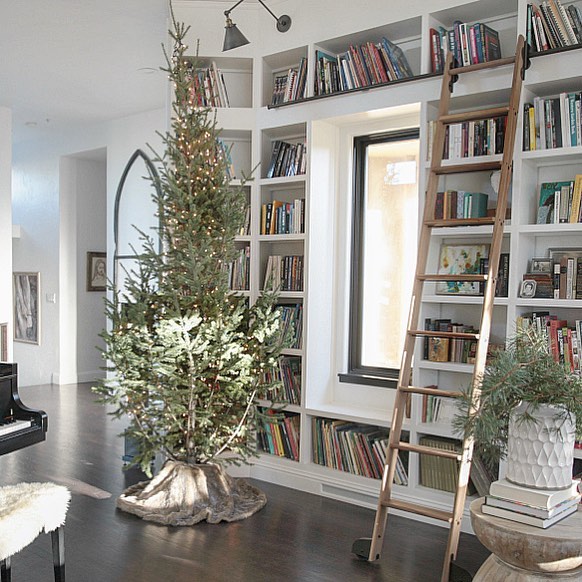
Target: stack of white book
537,507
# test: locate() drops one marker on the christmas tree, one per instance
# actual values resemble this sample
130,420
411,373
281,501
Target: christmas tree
187,356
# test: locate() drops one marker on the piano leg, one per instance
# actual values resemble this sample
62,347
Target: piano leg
5,571
58,541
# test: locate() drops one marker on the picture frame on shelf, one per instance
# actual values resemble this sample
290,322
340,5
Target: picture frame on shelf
528,288
26,288
96,271
540,265
460,259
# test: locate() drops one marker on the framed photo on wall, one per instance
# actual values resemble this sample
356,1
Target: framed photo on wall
27,307
96,271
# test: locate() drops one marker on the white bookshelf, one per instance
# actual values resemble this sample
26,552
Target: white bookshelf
326,123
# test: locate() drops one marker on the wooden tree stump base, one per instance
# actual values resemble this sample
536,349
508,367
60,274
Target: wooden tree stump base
182,494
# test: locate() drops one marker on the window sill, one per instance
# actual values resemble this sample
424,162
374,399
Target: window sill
369,380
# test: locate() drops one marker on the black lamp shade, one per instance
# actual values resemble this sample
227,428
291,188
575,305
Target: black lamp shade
233,37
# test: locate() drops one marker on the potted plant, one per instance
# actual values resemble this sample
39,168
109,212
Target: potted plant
527,414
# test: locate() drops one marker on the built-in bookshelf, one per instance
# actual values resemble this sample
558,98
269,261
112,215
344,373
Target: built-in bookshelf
308,219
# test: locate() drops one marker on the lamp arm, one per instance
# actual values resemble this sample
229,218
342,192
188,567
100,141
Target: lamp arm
227,12
267,9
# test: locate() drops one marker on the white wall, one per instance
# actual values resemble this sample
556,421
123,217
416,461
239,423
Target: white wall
41,169
6,220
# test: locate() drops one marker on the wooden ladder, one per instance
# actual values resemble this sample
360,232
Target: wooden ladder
367,548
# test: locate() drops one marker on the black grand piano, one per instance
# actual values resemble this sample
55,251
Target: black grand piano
20,426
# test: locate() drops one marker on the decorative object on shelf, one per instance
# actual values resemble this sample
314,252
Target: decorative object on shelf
527,373
27,307
528,288
233,37
187,355
460,260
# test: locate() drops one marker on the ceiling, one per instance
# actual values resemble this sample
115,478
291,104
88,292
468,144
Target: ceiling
71,62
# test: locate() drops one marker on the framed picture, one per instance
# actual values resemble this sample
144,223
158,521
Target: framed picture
96,271
460,259
540,265
27,307
528,288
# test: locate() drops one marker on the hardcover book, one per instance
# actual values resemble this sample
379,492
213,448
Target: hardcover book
528,519
546,498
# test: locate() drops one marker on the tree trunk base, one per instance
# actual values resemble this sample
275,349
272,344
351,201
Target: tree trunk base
182,494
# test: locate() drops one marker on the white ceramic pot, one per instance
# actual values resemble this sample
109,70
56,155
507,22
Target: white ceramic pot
540,455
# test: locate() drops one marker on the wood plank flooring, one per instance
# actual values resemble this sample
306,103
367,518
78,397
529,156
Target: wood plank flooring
297,537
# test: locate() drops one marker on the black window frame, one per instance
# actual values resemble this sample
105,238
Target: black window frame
356,372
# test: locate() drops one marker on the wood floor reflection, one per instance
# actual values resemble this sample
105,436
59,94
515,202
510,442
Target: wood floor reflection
297,537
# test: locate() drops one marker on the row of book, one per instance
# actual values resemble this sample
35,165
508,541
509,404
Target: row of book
460,204
288,373
444,349
553,122
559,277
502,286
560,202
280,436
436,409
224,151
292,324
239,271
279,217
551,25
439,472
245,228
208,87
360,66
354,448
470,138
291,85
563,340
536,507
469,43
284,273
287,159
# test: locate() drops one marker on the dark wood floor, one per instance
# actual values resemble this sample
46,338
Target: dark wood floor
296,537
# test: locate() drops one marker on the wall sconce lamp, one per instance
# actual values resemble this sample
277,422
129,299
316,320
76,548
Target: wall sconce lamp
233,37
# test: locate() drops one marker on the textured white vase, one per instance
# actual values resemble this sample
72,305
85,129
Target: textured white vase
540,455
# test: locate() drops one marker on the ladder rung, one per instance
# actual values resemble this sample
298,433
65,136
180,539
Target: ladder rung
464,277
454,222
423,450
418,509
449,334
430,391
480,66
475,115
468,167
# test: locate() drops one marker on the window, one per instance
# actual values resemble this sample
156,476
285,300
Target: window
384,248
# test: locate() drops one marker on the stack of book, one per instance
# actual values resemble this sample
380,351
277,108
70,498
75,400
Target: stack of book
284,273
287,159
290,85
469,43
208,88
551,25
360,66
552,122
538,507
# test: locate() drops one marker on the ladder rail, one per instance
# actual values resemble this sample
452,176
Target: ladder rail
404,388
404,378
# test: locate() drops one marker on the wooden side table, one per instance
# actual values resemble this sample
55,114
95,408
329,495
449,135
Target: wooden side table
522,553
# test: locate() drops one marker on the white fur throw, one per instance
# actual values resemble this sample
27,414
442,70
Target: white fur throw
26,510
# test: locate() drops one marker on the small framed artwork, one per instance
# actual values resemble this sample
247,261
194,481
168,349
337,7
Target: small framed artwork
540,265
27,307
460,260
528,288
96,271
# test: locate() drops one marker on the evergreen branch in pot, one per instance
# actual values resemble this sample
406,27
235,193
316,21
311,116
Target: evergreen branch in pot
524,372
